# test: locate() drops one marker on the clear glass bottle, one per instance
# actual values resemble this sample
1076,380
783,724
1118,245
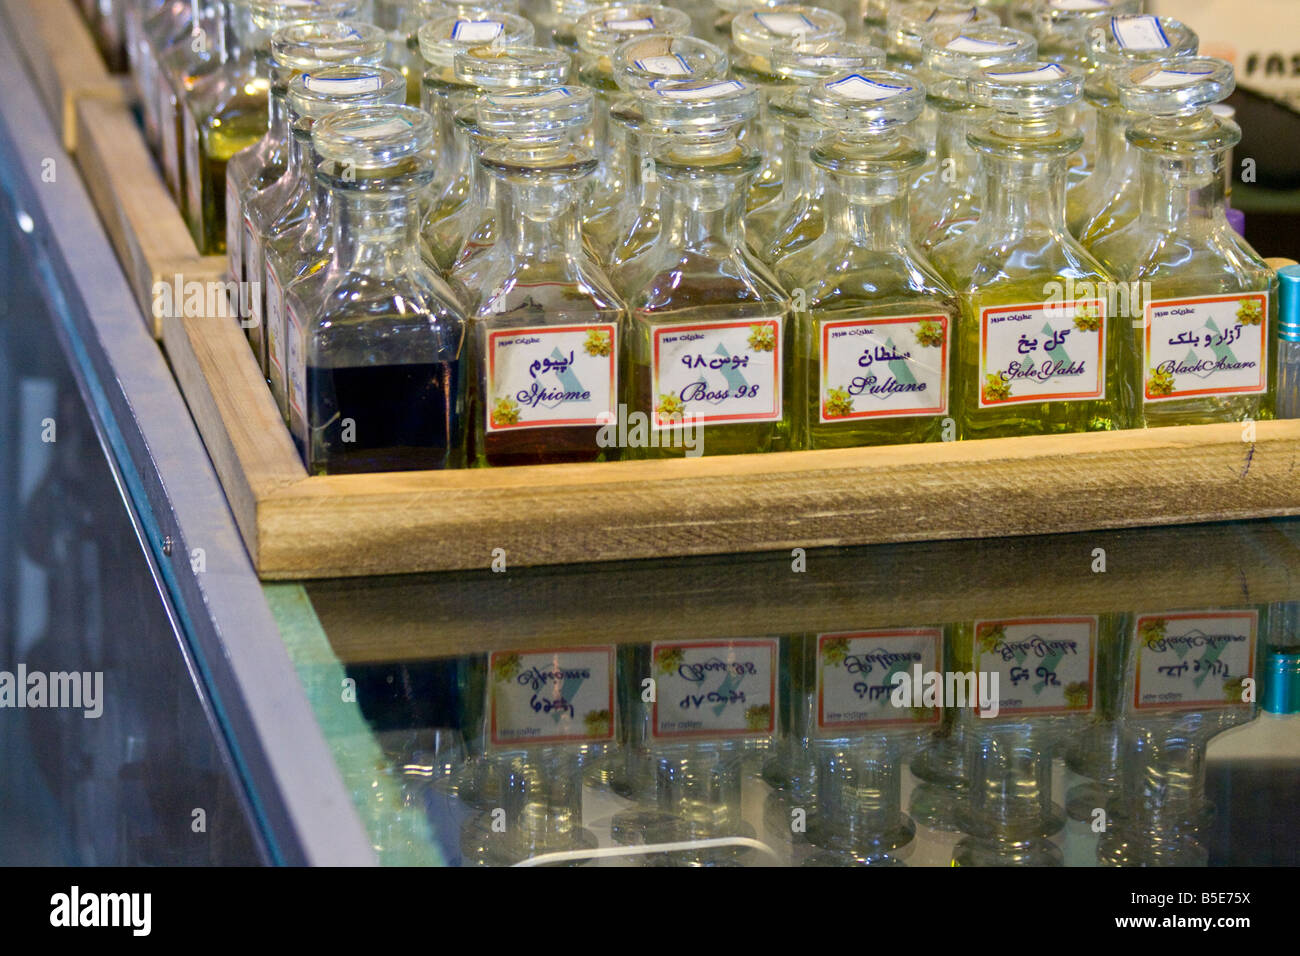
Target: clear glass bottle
946,197
710,326
1288,346
1206,348
295,49
1038,349
873,326
284,231
163,27
375,340
181,65
907,24
754,35
599,33
1108,197
546,328
796,216
419,12
638,64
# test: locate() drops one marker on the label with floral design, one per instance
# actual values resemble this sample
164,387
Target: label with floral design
855,677
896,365
1211,345
714,688
565,694
1042,352
1045,665
1193,659
717,373
551,375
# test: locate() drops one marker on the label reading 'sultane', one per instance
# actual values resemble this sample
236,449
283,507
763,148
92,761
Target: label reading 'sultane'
1042,352
1045,665
1197,659
714,688
895,365
855,677
551,376
717,373
1212,345
553,696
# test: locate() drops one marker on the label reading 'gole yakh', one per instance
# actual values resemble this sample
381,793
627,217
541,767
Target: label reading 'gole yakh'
1042,352
551,376
714,688
717,373
561,695
1045,665
855,677
1193,660
896,365
1212,345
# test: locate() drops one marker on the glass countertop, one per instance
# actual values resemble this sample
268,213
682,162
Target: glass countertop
1096,699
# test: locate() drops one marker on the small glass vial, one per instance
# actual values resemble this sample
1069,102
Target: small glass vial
755,35
1038,349
290,236
874,323
1206,345
295,49
946,198
1288,349
375,339
1108,197
546,326
796,216
707,351
638,64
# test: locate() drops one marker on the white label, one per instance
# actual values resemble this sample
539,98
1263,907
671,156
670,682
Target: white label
897,365
1081,4
855,677
1048,351
234,221
256,266
389,127
629,26
1138,33
1164,78
858,87
1215,345
785,24
274,321
297,363
699,92
667,65
964,44
193,176
1044,665
566,694
551,376
1194,659
717,373
476,31
714,689
343,86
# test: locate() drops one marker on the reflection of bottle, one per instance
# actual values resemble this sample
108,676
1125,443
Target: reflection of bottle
1094,752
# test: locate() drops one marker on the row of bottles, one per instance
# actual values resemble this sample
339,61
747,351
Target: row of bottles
839,748
636,243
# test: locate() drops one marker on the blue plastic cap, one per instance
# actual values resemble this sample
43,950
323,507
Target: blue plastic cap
1288,306
1282,677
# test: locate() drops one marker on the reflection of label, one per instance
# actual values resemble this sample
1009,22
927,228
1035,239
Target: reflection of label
1193,660
274,319
1044,665
1138,33
234,218
855,677
1050,351
564,694
884,366
717,372
297,365
564,375
714,688
193,177
667,65
1215,345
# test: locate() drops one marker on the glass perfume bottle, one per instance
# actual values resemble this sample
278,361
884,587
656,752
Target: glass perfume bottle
755,34
412,61
709,325
295,49
1038,350
600,32
1288,346
292,219
947,197
906,26
159,28
1206,349
374,350
182,61
639,63
869,361
1109,197
797,216
546,328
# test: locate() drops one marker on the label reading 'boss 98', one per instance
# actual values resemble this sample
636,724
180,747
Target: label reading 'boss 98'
717,373
714,688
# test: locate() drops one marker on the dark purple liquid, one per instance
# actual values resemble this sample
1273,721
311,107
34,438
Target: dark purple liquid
405,417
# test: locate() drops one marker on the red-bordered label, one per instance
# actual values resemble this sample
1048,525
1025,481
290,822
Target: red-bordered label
887,366
559,695
549,376
717,373
1211,345
1043,352
855,677
1193,659
714,688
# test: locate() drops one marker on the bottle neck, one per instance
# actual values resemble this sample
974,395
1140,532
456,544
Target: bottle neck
1024,196
1111,145
375,233
1183,193
870,212
800,137
703,192
277,115
454,155
956,161
538,214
